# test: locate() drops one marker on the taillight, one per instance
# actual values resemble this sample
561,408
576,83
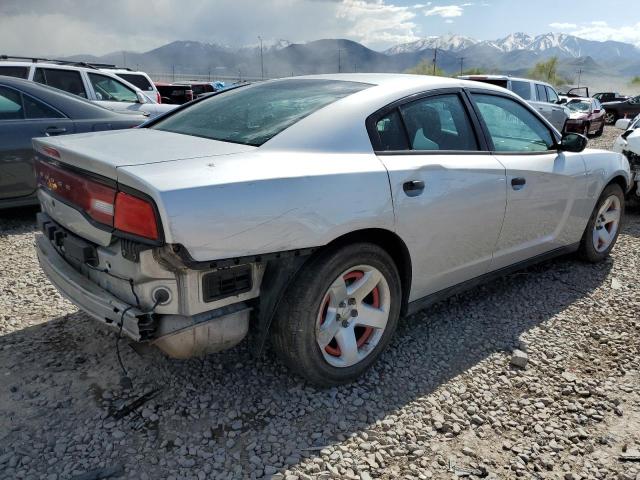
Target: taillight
189,95
135,216
158,97
96,199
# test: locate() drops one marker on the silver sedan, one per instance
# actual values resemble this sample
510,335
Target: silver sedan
314,212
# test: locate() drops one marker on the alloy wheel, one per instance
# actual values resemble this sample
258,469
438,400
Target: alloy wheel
609,118
353,316
607,223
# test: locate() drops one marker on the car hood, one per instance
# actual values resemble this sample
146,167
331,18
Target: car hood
578,115
104,152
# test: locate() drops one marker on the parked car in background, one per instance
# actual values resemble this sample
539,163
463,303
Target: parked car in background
628,108
321,208
86,81
587,116
628,143
137,78
29,110
173,94
542,96
182,92
610,97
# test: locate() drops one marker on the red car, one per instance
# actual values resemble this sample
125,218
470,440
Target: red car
587,116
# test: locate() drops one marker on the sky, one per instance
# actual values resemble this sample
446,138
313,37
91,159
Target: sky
67,27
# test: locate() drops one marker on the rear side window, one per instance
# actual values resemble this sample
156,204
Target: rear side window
512,127
522,89
138,80
542,93
36,109
18,72
68,80
391,133
10,105
439,123
253,115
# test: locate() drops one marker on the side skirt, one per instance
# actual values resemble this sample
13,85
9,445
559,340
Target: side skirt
424,302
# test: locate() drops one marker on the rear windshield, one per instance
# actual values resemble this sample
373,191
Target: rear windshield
138,80
255,114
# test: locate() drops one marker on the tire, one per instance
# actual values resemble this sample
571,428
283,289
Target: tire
585,130
600,131
600,236
316,305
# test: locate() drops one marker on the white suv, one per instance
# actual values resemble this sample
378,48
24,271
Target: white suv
87,81
137,78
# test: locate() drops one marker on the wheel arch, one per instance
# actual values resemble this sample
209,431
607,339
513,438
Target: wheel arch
280,273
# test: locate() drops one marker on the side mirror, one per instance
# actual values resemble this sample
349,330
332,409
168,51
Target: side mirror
573,142
623,123
141,97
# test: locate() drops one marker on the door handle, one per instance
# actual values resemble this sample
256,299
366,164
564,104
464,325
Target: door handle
518,183
54,131
413,188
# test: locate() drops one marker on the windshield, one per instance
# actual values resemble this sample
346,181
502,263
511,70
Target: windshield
253,115
578,106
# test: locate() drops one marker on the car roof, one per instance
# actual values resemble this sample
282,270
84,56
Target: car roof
501,77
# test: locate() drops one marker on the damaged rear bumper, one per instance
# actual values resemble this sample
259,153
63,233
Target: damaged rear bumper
88,296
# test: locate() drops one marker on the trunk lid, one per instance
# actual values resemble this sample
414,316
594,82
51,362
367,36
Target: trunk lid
103,152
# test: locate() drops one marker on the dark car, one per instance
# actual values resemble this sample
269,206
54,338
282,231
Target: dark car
28,110
628,108
183,92
610,97
586,118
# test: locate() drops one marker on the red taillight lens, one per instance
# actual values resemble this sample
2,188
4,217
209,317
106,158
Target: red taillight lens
93,197
189,95
135,216
158,97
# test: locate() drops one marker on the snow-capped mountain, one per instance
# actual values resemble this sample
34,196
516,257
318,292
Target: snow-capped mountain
546,44
453,43
268,45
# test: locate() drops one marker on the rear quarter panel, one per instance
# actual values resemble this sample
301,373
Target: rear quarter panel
603,166
246,204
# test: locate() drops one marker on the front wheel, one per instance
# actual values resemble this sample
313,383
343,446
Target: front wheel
610,118
339,314
603,228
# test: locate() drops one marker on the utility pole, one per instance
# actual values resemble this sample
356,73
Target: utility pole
435,59
461,63
339,60
579,77
173,73
261,59
124,57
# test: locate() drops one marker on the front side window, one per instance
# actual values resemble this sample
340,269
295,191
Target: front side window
542,93
253,115
512,127
552,95
35,109
439,123
10,105
18,72
522,89
109,89
68,80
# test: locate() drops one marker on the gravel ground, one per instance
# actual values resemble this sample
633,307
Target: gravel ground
447,400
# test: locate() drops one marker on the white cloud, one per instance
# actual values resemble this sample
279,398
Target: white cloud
562,26
602,31
445,11
376,23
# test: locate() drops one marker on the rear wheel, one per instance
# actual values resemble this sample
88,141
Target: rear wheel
610,118
603,228
600,130
339,314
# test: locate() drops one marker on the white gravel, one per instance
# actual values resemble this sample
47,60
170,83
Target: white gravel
443,402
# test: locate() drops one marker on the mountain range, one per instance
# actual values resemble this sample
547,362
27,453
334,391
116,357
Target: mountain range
513,54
